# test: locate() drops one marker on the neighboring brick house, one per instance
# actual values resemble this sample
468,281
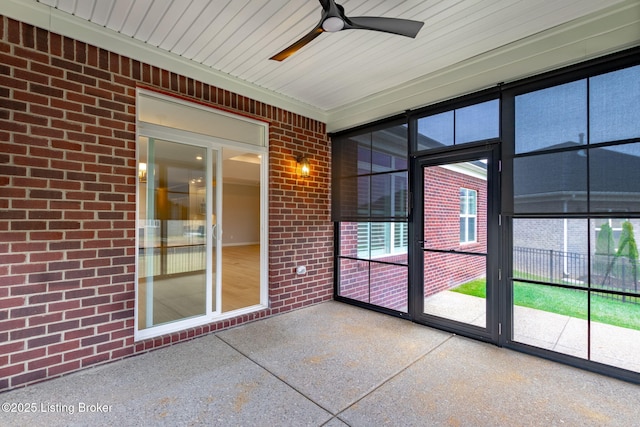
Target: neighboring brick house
68,203
442,218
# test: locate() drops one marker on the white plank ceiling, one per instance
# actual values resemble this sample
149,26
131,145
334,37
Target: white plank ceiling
237,38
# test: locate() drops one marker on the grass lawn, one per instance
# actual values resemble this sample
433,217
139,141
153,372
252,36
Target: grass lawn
565,301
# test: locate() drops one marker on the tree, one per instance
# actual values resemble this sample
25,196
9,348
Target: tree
627,248
605,249
604,242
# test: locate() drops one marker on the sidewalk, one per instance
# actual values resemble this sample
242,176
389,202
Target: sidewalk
611,345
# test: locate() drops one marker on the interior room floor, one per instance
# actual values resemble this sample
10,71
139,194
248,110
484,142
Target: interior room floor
331,364
183,295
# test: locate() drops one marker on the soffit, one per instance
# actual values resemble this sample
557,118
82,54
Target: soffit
353,76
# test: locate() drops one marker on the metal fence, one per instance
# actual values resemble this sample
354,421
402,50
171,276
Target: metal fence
610,272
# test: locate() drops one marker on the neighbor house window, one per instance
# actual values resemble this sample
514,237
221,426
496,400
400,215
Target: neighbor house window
468,215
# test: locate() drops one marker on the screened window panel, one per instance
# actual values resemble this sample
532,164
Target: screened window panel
478,122
435,131
353,238
614,105
400,194
379,238
364,242
374,240
613,264
364,160
389,149
552,250
552,118
389,286
389,196
354,279
614,174
371,176
550,183
352,156
354,196
401,237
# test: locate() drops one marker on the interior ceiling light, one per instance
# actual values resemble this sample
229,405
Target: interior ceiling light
333,19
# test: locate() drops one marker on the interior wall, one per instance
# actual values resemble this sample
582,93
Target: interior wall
240,214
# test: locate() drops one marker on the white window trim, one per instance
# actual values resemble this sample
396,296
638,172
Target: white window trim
467,217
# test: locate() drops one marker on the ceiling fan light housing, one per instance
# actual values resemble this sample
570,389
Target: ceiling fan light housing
333,24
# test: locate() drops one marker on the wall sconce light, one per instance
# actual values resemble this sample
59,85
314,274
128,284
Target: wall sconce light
142,172
303,166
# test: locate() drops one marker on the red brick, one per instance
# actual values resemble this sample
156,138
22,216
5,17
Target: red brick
6,372
72,335
10,325
63,306
12,280
63,369
43,341
92,360
63,347
30,310
75,314
44,320
45,362
28,377
28,289
27,333
12,347
78,354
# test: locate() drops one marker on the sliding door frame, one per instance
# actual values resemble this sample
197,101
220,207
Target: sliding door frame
214,146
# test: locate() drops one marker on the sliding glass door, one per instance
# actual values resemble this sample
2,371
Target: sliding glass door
201,252
176,226
201,235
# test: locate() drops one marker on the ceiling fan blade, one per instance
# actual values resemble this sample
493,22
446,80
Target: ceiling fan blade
403,27
287,52
325,4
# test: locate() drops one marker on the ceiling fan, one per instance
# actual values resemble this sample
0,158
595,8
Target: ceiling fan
333,19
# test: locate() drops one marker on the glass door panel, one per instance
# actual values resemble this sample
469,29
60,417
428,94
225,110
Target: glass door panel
239,240
455,241
455,277
455,287
173,232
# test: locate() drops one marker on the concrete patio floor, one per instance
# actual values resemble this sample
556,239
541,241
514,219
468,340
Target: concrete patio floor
329,365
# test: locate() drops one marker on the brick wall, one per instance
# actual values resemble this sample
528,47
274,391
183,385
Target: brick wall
67,203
